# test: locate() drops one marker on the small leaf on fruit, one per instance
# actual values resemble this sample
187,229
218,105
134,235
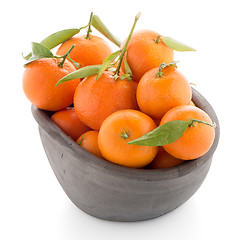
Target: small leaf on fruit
80,73
176,45
126,75
39,51
107,62
162,135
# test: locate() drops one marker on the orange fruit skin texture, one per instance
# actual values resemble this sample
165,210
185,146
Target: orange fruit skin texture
114,147
143,53
96,100
90,142
39,84
196,140
163,160
157,95
86,51
68,121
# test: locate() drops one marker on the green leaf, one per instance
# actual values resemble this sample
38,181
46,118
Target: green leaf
162,135
59,37
176,45
126,75
56,38
99,25
39,51
27,56
107,62
80,73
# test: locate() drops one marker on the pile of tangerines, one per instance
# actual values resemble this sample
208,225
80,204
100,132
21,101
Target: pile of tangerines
131,107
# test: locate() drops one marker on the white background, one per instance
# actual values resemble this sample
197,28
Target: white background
32,203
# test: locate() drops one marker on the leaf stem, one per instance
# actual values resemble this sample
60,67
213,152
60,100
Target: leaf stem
163,65
192,121
89,26
125,45
61,64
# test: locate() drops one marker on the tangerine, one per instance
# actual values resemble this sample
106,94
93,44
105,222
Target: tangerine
95,100
89,141
39,84
68,121
145,51
163,160
158,94
87,51
197,139
120,128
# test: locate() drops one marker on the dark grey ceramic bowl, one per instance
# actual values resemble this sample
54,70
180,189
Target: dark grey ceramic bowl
112,192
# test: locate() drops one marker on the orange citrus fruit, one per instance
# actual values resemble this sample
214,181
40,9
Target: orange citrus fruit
158,94
197,139
89,141
145,52
96,100
39,84
120,128
163,160
86,51
68,121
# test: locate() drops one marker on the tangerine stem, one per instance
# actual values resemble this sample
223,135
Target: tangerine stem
157,40
61,64
163,65
81,140
192,120
89,26
126,44
125,135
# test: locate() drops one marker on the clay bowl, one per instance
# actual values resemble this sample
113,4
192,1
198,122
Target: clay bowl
112,192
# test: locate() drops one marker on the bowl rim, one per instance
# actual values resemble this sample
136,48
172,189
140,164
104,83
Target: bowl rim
44,121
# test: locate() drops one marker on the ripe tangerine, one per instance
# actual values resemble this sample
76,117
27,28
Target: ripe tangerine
86,51
39,84
158,94
120,128
197,139
163,160
145,52
68,121
89,141
95,100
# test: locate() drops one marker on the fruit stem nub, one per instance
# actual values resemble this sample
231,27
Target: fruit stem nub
163,65
157,40
125,135
89,26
